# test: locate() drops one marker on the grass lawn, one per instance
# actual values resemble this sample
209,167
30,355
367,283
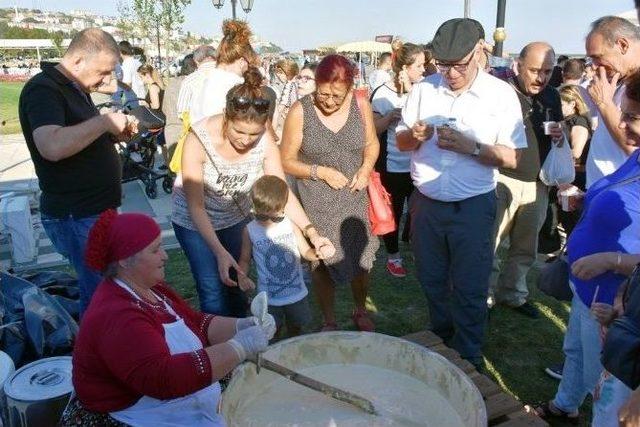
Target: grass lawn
517,348
9,95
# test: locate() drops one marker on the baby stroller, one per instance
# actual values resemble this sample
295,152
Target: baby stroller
138,154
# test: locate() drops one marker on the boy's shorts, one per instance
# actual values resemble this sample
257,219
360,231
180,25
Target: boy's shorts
295,314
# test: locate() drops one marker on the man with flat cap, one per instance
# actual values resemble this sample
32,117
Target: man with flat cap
462,125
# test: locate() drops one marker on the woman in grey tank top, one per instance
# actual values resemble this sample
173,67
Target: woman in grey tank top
222,158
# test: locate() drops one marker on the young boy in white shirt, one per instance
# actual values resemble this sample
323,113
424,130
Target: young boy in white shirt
277,245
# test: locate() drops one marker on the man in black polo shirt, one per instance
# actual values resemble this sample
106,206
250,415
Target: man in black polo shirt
522,197
71,147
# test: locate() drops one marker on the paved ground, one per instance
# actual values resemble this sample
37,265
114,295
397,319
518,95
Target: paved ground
17,175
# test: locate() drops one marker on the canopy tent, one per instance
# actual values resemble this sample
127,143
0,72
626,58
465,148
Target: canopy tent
329,48
365,46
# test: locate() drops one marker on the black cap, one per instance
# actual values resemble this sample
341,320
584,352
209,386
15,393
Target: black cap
455,39
480,27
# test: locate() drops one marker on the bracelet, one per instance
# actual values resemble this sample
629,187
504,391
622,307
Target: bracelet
618,261
314,173
305,230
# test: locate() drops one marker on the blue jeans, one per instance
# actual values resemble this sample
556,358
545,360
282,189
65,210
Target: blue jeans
452,246
215,297
69,237
610,395
582,367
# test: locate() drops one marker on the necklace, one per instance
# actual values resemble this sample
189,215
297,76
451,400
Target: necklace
151,299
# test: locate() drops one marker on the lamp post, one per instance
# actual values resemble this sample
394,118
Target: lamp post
158,10
246,5
499,35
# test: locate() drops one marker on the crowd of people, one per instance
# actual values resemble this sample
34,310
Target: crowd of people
20,68
273,171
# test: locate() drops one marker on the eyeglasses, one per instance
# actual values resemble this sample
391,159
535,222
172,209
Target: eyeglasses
265,217
242,103
336,98
629,117
461,67
304,79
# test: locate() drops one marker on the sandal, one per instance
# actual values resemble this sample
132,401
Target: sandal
548,410
362,321
329,326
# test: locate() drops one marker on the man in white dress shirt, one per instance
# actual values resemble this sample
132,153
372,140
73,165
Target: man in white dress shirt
613,44
461,124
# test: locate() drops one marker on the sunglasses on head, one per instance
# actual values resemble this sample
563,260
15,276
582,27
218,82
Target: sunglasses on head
242,103
264,217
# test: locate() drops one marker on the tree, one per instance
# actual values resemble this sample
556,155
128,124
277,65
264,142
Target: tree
57,38
125,20
157,15
270,48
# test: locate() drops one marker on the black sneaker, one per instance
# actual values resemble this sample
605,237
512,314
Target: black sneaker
528,310
555,371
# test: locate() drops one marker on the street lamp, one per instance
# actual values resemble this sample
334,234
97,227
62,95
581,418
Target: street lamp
499,35
247,5
158,9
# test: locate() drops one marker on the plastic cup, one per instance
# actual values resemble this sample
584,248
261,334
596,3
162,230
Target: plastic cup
565,196
547,126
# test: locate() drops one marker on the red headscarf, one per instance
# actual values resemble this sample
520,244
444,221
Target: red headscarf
118,236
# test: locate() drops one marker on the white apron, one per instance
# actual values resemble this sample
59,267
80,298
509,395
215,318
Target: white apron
196,409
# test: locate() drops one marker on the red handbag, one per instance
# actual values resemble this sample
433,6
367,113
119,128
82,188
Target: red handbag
380,208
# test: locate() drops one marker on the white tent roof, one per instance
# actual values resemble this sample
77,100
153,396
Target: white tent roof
365,46
30,43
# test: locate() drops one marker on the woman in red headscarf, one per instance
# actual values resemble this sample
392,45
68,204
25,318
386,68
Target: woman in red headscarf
143,356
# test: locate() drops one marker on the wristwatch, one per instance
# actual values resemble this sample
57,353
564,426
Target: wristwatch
476,151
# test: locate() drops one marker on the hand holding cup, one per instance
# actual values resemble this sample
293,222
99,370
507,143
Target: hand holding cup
569,197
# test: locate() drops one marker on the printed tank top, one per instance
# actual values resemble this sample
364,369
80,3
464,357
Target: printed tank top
224,181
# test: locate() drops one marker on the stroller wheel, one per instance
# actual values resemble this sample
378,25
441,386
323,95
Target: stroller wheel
167,184
151,189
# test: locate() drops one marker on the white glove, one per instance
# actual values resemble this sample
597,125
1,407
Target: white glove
249,341
259,307
269,326
245,322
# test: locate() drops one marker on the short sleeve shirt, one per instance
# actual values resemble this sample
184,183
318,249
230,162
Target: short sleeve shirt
605,155
275,252
131,77
85,183
385,100
488,111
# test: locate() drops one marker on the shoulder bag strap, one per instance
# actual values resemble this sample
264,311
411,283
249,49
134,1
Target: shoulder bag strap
233,194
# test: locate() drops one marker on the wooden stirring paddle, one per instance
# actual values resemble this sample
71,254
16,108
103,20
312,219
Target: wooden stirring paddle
326,389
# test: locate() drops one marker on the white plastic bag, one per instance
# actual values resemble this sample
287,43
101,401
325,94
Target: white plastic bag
558,166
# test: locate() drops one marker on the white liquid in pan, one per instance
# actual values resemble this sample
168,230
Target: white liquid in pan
399,400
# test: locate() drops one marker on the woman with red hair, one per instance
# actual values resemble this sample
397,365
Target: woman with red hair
329,144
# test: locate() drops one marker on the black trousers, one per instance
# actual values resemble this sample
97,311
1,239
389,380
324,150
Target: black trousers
399,186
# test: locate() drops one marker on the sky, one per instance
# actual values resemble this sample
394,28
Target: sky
305,24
